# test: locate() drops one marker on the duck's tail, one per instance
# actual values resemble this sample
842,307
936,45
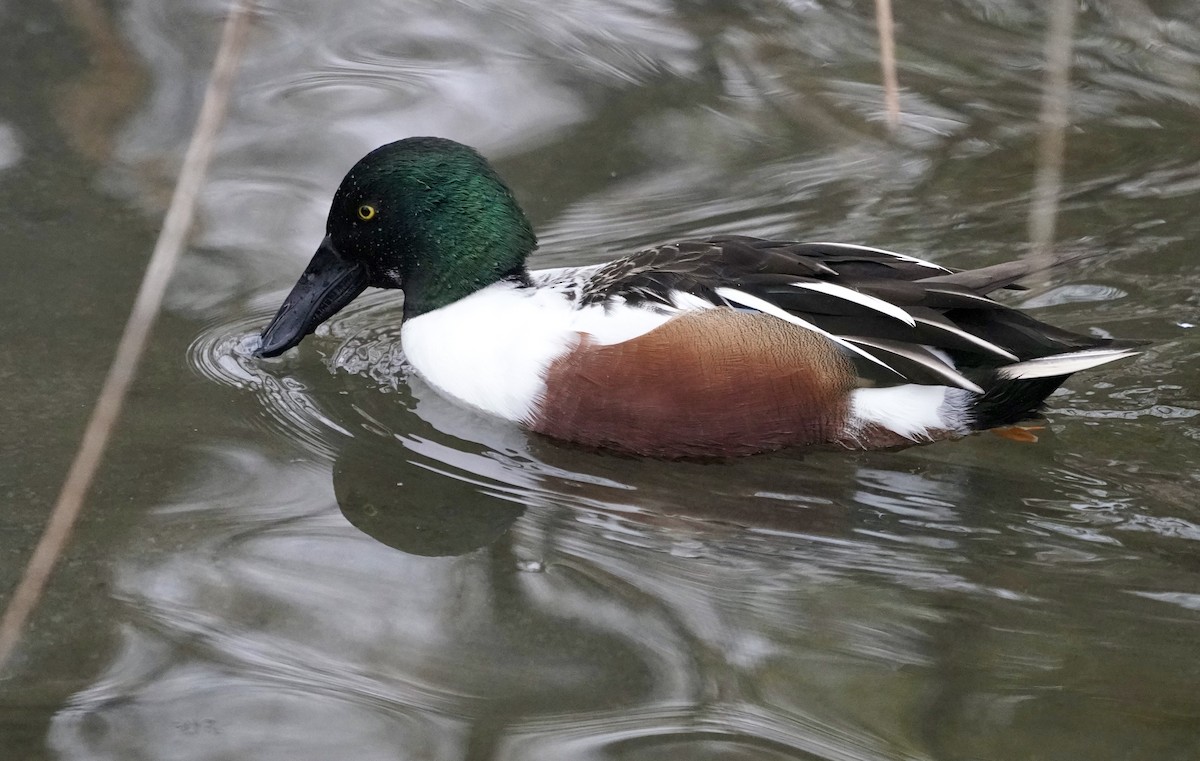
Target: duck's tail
1019,390
984,280
1062,365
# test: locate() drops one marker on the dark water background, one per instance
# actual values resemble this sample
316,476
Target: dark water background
317,558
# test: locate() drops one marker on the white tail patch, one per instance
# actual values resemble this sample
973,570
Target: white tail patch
862,299
1062,364
912,411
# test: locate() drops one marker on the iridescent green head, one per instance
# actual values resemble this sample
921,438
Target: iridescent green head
424,214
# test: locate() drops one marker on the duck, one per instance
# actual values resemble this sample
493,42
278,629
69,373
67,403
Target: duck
713,347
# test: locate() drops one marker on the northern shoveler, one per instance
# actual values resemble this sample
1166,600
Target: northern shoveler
724,346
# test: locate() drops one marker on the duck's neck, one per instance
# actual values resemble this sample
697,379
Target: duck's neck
430,286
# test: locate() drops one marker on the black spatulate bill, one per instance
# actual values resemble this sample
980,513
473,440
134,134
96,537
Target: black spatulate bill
328,284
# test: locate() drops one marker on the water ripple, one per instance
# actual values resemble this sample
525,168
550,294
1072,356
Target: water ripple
353,562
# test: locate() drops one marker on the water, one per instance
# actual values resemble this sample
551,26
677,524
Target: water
317,557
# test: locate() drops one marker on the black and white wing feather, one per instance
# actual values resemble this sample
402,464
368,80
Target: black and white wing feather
898,318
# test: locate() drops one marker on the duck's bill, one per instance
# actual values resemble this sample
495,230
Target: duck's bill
328,284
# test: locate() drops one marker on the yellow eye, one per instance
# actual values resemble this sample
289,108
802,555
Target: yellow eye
366,212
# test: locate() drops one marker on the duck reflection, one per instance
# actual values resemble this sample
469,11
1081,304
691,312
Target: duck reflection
545,601
386,493
443,471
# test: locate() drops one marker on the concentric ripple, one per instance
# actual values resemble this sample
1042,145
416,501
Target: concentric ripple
291,400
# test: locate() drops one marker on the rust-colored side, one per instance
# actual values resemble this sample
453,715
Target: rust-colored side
712,383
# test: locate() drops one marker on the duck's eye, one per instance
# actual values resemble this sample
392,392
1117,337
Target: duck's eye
366,212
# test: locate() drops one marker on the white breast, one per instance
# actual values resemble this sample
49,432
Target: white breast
491,350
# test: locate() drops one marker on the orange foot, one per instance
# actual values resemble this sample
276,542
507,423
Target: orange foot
1022,433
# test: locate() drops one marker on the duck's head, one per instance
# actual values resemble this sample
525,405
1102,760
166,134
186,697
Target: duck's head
424,214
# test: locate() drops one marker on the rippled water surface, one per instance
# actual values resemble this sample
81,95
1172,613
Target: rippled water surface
316,557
